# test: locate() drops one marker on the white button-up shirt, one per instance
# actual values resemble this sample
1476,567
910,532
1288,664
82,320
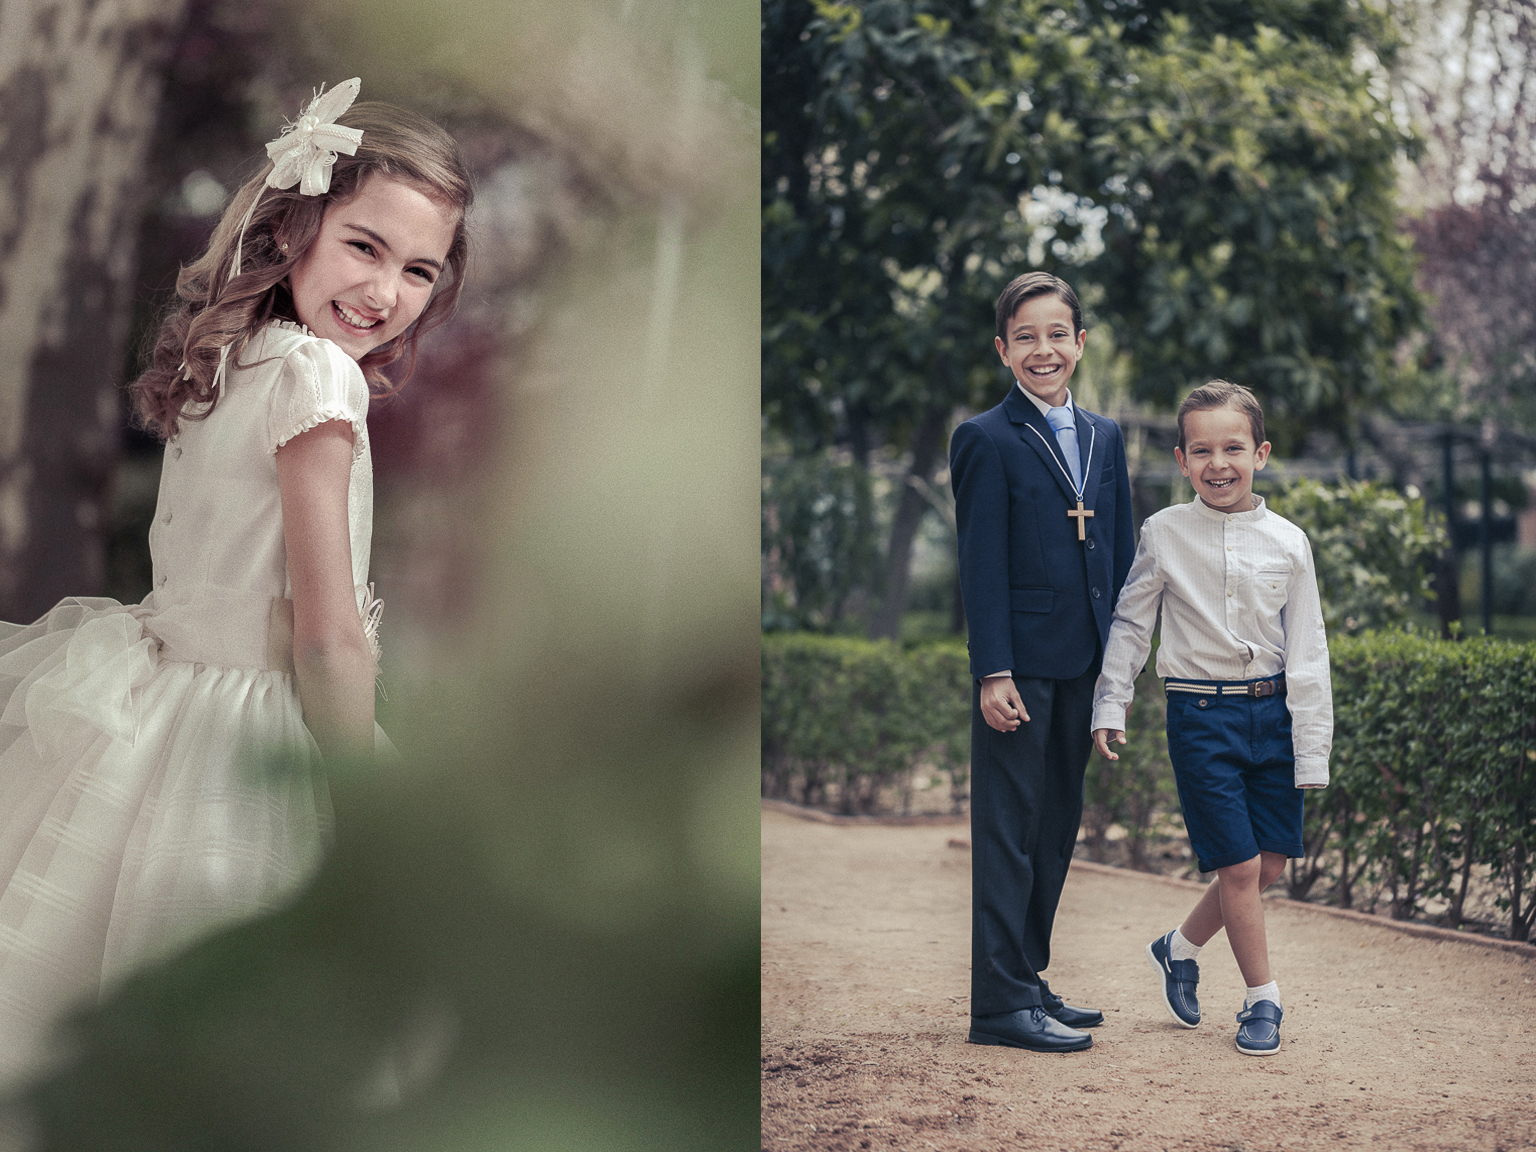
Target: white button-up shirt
1239,600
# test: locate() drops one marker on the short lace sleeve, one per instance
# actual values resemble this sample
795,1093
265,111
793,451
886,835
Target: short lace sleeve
318,382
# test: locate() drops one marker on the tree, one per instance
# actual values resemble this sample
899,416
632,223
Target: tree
1220,175
79,88
1471,88
1257,232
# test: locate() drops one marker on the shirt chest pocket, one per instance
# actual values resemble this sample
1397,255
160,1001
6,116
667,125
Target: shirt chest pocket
1267,591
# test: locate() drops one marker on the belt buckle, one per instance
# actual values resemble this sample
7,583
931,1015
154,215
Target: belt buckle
1262,688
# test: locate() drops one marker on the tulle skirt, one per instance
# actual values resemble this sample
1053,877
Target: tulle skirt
144,800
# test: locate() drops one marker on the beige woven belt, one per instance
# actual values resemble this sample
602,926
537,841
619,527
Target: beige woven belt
1208,688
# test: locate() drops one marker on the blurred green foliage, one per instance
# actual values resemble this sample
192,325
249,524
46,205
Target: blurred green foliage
1375,550
1514,580
819,538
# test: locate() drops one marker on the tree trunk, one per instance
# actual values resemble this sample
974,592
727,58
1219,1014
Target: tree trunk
1459,901
927,442
1447,584
1402,908
79,90
1519,921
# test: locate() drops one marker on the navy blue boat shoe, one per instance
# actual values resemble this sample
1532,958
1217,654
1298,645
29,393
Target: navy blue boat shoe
1179,978
1258,1029
1031,1028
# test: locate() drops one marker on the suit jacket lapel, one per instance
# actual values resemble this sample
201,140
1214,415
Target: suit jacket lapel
1088,446
1038,434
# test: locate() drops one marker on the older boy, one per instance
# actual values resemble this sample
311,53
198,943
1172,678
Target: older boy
1042,501
1250,707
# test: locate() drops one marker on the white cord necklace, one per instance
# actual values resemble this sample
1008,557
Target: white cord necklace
1080,514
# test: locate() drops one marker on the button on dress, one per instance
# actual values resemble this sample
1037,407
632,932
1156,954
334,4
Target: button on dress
138,805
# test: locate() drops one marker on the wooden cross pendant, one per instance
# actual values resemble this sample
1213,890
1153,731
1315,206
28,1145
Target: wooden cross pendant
1082,519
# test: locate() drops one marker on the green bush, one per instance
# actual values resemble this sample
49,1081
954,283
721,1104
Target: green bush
1138,788
846,719
1433,768
820,543
1375,550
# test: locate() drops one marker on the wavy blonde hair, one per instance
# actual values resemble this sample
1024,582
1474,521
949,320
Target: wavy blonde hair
214,311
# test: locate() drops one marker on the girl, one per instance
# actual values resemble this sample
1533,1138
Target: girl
130,818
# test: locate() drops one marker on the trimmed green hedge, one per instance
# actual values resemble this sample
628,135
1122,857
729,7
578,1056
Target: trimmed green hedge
1434,773
1434,762
1137,789
845,720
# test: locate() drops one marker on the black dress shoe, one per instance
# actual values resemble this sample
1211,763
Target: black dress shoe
1069,1015
1032,1028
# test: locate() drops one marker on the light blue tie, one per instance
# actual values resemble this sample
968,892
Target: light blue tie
1060,419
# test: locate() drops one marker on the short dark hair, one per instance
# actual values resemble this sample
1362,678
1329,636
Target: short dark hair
1223,394
1027,287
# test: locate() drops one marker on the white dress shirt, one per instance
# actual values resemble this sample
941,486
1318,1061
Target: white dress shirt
1041,404
1239,601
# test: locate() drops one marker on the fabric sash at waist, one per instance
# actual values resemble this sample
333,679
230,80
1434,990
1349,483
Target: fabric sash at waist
229,628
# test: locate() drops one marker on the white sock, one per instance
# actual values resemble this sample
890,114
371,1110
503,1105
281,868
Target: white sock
1181,949
1270,991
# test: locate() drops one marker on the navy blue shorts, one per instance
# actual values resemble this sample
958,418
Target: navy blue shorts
1236,772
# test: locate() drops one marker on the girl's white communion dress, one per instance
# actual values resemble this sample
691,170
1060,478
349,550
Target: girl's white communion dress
135,813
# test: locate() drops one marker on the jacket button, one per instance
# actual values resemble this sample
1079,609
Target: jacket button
1095,593
175,453
1090,545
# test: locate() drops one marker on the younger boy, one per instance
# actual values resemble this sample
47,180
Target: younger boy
1250,706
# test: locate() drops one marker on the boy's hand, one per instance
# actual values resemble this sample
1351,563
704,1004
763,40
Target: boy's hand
1001,705
1101,739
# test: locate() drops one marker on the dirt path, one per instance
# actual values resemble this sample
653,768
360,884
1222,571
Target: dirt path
1389,1041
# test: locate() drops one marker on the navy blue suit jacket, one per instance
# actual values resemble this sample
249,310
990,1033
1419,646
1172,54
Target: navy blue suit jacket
1037,599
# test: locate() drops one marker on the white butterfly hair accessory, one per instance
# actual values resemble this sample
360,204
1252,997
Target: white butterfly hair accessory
305,150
